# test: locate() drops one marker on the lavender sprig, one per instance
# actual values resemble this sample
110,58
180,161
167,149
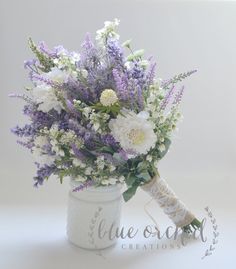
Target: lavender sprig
83,186
167,98
178,96
178,78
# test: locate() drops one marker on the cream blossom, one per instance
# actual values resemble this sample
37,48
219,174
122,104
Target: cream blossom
134,132
108,97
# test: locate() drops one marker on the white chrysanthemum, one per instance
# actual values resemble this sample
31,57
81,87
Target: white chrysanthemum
134,132
44,96
108,97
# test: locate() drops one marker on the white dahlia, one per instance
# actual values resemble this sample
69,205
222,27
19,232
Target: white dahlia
134,132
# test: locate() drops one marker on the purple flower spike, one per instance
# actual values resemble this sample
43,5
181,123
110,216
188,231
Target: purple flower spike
178,96
83,186
167,98
78,153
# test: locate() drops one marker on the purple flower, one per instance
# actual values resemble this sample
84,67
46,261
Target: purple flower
166,83
27,130
121,84
29,144
167,98
76,90
78,153
41,78
151,74
43,173
22,96
83,186
139,98
178,96
109,140
115,52
43,48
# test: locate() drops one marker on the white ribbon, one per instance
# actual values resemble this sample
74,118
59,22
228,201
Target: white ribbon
159,190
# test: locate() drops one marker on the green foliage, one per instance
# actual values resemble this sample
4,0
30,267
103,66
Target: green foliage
112,110
45,61
167,143
128,194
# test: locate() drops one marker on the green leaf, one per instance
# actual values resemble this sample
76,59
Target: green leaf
118,158
130,180
61,179
106,149
145,175
128,194
142,166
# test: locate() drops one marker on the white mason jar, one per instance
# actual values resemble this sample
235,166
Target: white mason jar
94,215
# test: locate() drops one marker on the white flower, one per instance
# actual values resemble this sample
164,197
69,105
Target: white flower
74,57
144,63
100,162
121,179
156,164
111,167
80,178
57,75
44,96
39,153
88,171
86,111
112,180
108,30
68,137
54,131
105,182
149,158
134,132
40,141
162,147
109,181
42,158
128,65
108,97
56,149
76,162
84,73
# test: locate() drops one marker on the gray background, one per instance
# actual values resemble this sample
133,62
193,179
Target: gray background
200,165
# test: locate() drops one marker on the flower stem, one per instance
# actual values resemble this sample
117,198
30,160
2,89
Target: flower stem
194,225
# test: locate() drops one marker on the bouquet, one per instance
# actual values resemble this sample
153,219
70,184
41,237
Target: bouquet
102,118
